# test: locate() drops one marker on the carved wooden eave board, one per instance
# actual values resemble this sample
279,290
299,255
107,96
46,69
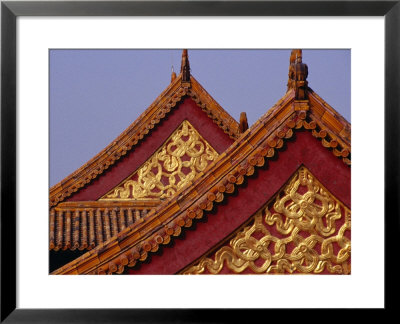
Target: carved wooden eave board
140,129
252,150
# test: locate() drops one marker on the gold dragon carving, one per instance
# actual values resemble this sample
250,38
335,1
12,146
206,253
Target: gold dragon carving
296,234
185,154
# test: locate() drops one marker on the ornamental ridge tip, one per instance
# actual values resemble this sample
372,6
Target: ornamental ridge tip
243,124
173,74
298,72
185,66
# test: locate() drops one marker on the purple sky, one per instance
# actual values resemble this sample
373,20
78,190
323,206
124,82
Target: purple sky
96,94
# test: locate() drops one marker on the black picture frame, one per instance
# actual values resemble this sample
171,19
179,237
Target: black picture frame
10,10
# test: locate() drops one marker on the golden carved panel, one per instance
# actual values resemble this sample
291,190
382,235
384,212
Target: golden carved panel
304,229
175,164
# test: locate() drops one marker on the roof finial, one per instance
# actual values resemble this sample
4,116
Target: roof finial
298,72
173,74
185,67
243,125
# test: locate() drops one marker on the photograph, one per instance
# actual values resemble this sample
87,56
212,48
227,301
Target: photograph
199,161
195,148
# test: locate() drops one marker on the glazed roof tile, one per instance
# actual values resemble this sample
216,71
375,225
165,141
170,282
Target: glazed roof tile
250,151
139,129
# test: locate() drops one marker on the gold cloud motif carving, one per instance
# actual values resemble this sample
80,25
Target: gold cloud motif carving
174,165
304,229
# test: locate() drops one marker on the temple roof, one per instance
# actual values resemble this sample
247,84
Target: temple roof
300,109
182,85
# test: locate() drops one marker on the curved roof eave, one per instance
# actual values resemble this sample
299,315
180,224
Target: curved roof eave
251,149
139,129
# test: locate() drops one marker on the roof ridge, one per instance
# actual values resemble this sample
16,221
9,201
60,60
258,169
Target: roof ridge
222,113
135,132
329,110
253,147
299,109
224,177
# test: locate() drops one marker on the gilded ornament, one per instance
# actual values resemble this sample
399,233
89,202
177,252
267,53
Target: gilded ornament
184,155
302,230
